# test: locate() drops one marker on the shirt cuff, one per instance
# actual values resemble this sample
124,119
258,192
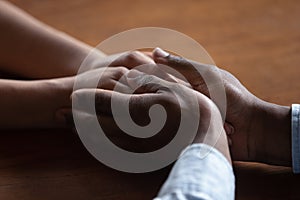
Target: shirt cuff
201,172
296,138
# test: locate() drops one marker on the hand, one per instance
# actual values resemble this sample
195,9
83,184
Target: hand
260,131
107,70
177,101
128,59
142,61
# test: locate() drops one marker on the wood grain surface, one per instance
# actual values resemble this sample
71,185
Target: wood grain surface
257,41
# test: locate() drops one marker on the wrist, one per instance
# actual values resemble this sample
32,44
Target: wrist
38,100
60,90
274,134
62,87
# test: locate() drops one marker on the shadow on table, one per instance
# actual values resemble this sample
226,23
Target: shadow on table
53,164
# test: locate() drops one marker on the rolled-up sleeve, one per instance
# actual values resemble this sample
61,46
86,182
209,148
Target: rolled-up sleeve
296,137
197,176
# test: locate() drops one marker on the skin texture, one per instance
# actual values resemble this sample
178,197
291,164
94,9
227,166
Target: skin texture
255,128
31,49
154,90
46,61
47,101
260,131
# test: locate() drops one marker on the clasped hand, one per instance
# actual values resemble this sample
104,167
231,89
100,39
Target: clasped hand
249,122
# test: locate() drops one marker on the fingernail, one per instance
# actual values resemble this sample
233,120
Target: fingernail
160,53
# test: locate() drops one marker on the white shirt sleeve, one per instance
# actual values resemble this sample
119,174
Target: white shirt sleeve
296,138
197,176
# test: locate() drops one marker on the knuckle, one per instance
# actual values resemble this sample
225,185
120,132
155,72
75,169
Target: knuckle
120,71
133,55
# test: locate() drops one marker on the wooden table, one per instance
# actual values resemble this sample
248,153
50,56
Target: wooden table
258,41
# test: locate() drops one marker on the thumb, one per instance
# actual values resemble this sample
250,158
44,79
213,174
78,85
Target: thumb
104,101
91,100
99,100
191,70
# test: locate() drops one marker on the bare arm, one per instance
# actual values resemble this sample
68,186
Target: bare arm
43,103
27,104
32,49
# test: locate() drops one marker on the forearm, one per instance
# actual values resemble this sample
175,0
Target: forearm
33,104
32,49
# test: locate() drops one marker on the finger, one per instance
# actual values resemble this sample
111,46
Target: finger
145,83
99,100
121,138
131,112
148,53
142,62
85,100
152,69
118,86
191,70
107,122
132,59
105,78
166,73
122,87
158,71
